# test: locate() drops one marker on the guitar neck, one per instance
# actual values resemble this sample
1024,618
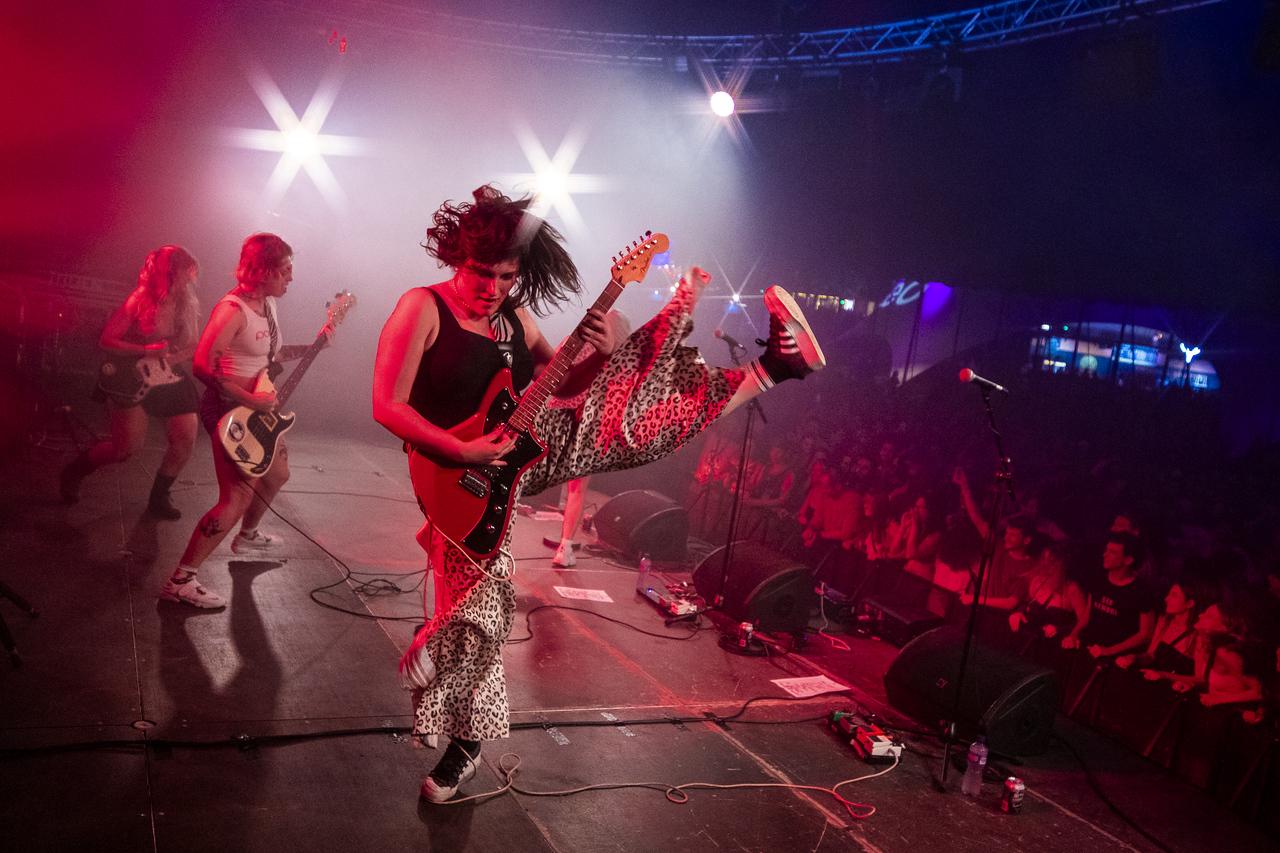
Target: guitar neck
554,374
303,363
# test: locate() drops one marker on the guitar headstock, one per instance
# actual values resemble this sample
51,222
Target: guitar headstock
336,309
632,263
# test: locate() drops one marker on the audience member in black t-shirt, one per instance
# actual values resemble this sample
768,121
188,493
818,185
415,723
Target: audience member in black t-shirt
1122,608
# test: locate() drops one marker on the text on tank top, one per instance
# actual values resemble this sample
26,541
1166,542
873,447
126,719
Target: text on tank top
250,350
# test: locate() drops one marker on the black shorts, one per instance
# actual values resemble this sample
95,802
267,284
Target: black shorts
164,401
212,407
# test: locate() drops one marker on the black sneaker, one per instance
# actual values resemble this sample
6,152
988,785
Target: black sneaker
792,351
455,767
160,506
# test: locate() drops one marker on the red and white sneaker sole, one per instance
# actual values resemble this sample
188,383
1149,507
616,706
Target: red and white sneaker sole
783,306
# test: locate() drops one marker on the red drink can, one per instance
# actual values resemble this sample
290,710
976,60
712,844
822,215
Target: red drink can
1011,795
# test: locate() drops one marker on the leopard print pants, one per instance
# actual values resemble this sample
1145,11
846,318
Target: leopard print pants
652,396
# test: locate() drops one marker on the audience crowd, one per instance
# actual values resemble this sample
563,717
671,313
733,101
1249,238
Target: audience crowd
1136,548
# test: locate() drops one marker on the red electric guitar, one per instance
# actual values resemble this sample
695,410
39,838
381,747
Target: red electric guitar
471,505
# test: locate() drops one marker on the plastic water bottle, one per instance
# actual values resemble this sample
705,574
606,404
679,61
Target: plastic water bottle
971,785
642,575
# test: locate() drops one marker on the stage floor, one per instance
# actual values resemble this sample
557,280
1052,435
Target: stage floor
108,667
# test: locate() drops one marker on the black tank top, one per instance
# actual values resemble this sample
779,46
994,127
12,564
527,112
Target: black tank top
1167,657
454,373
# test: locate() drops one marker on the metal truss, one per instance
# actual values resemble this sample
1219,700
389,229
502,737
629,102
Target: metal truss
983,27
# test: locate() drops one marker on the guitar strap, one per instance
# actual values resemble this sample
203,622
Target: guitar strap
273,367
504,336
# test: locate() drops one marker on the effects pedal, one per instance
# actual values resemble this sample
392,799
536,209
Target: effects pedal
871,743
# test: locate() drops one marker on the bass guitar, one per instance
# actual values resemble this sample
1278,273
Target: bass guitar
250,436
127,379
471,504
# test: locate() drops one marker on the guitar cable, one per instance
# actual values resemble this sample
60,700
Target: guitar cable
379,585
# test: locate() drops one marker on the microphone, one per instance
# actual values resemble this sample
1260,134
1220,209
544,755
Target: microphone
967,375
728,339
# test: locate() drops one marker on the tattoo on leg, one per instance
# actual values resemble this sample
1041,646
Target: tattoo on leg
210,526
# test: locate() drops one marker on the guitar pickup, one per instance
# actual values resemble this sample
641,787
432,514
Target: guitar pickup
474,483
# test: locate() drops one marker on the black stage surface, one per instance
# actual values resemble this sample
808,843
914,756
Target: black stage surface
105,656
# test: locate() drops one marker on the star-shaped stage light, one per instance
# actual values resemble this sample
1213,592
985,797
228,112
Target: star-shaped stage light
726,101
735,301
553,182
299,140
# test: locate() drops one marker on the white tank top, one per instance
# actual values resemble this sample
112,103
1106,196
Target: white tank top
250,350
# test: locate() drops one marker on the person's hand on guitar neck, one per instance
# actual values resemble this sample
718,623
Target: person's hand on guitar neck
596,330
487,449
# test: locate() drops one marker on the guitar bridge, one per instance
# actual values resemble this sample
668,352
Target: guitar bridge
474,483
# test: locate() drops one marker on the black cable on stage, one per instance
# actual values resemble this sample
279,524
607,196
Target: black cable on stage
379,585
188,485
246,741
705,718
529,626
349,495
1102,795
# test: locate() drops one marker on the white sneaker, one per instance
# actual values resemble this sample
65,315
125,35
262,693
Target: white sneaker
792,351
257,543
191,592
564,557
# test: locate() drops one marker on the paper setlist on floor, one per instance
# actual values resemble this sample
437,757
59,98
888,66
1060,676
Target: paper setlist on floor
814,685
584,594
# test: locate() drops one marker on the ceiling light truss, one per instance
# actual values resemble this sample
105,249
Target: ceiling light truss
979,28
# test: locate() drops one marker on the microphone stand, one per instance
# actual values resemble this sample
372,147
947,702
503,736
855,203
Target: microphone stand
745,643
1004,484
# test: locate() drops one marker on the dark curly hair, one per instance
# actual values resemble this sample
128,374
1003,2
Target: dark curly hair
495,228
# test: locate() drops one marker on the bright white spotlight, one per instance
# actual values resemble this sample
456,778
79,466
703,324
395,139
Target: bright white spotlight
301,144
722,104
298,140
553,179
551,184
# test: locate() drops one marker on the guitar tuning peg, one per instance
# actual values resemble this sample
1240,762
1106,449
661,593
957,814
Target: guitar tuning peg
648,234
615,259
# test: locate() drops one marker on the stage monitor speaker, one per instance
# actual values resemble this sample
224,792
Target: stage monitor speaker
641,522
772,592
1011,700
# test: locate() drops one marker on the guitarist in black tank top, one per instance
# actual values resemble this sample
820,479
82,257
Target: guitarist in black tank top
438,352
455,371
